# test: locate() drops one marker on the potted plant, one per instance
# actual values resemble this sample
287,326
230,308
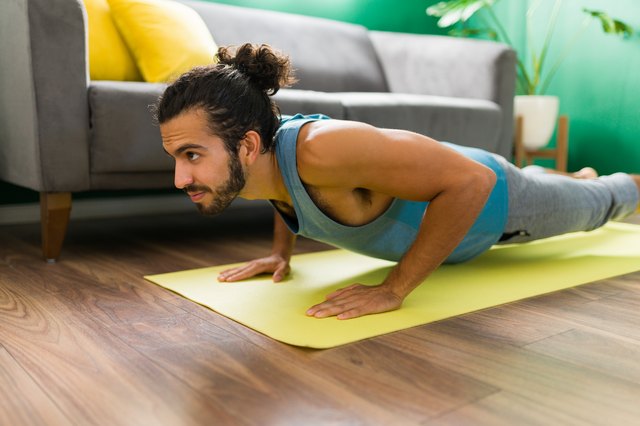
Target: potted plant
539,111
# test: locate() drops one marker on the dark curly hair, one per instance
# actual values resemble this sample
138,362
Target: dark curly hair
235,93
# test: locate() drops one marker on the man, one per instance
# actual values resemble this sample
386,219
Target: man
387,193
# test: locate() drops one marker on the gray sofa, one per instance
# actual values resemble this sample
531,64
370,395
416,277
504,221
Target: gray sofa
62,133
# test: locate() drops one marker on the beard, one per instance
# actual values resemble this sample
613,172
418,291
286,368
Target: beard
224,194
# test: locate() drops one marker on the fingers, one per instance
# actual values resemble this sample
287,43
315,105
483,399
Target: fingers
281,272
338,304
332,308
242,272
355,301
341,291
230,272
279,267
351,313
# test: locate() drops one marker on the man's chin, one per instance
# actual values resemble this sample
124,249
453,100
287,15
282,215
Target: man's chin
214,209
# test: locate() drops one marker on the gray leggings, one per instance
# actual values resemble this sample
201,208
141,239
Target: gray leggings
543,205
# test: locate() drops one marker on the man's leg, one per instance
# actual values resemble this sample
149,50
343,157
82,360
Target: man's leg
543,204
589,173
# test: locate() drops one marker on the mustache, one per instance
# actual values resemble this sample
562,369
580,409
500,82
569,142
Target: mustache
195,188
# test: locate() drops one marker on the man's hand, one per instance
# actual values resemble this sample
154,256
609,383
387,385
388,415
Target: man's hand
357,300
274,263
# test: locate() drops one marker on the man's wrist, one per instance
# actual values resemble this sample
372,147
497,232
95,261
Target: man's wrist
284,254
401,292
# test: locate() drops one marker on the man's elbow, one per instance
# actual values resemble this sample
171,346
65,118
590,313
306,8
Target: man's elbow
483,180
473,185
491,177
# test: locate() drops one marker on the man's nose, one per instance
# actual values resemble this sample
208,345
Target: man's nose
182,177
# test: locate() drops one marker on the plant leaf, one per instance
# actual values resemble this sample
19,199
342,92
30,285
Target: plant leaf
610,25
454,11
474,32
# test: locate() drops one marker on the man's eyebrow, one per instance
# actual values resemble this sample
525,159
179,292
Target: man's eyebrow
184,148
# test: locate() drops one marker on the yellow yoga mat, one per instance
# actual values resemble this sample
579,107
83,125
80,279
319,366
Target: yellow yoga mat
503,274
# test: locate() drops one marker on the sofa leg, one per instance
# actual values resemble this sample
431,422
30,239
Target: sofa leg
55,209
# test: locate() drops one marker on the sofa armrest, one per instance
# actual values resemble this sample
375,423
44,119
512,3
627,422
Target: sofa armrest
454,67
44,114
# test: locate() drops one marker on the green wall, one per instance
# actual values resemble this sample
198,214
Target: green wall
383,15
598,84
599,87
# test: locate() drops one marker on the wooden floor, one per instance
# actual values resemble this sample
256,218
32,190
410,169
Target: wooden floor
88,341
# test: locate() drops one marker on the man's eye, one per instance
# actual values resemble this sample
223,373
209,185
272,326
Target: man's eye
192,156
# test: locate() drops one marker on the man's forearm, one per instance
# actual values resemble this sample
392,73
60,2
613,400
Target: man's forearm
283,239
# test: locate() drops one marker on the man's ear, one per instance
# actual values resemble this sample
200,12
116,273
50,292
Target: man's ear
250,147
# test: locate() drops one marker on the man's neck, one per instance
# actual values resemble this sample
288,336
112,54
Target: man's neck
264,181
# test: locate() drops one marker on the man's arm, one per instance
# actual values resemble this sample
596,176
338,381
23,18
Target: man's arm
448,219
277,263
283,243
409,166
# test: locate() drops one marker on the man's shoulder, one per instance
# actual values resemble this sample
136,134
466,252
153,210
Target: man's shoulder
314,158
328,151
319,146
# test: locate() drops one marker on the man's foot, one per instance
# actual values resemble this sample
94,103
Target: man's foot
583,173
636,179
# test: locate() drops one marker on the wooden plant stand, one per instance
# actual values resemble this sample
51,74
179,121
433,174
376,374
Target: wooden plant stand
525,157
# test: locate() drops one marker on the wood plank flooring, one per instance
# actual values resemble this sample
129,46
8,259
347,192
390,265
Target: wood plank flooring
88,341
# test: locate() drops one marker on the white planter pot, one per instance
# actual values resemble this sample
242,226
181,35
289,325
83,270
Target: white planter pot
540,114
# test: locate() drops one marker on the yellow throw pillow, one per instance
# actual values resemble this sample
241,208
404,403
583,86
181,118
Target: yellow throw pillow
109,56
166,38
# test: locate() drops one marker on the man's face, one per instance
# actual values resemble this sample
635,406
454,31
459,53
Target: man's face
204,169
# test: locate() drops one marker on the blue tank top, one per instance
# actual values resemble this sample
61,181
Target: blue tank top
391,234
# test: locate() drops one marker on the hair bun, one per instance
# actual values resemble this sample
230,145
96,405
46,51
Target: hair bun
266,68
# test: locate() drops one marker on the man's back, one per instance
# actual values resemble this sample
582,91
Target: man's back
333,191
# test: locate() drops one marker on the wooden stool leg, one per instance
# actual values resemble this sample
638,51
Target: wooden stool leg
520,152
55,209
562,144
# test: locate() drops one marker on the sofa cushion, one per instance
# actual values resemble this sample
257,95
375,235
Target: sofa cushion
327,55
166,38
438,65
293,101
470,122
109,55
124,137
